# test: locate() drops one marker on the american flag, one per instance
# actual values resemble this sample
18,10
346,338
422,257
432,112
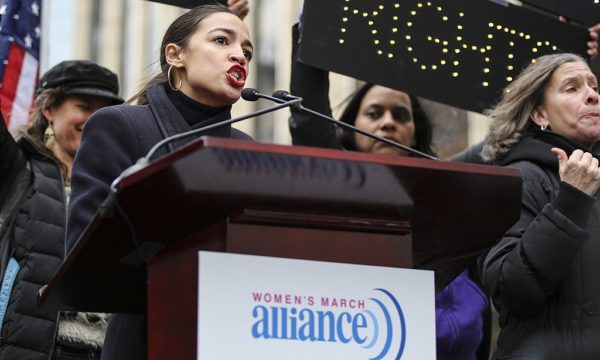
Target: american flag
19,58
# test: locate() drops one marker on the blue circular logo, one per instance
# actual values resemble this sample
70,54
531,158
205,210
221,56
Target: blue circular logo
392,320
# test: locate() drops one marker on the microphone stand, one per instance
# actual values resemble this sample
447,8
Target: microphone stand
219,124
298,106
145,250
142,162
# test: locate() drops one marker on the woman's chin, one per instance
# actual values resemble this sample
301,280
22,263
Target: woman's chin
389,150
231,97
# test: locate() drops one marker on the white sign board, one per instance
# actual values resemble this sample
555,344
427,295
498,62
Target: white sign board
253,307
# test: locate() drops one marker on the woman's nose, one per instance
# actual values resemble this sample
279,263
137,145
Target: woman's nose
592,96
238,57
387,121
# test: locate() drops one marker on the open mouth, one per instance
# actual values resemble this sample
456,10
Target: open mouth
237,76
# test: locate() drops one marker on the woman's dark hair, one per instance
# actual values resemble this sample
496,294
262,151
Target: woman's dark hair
423,128
179,33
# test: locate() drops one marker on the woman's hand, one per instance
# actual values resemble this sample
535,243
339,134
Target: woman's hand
593,43
240,7
579,170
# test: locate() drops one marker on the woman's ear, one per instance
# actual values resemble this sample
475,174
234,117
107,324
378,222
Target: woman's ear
48,114
173,55
538,116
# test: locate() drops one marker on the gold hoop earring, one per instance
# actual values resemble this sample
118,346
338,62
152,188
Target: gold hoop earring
174,88
49,136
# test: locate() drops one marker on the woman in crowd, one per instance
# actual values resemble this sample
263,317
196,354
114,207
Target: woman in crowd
408,124
462,308
542,274
472,154
34,191
204,60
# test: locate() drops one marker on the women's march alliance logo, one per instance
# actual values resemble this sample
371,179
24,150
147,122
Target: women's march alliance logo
376,325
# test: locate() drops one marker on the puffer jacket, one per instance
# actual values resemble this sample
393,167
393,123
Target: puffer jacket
543,274
32,239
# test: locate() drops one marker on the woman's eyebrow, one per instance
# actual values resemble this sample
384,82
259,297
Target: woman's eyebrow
569,79
225,30
232,32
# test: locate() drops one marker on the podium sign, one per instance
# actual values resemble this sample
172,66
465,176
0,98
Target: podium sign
255,307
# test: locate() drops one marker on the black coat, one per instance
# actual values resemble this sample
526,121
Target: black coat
543,274
31,243
114,138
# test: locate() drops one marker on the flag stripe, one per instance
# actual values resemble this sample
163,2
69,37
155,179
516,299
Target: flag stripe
24,94
19,58
12,72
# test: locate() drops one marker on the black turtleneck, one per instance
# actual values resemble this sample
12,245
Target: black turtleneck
195,113
560,141
536,147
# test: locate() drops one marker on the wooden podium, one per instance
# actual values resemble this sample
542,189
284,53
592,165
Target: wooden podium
139,253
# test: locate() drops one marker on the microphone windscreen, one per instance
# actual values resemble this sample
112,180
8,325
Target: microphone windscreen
250,94
281,94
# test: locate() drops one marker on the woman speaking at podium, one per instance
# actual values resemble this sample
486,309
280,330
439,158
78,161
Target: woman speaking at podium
204,58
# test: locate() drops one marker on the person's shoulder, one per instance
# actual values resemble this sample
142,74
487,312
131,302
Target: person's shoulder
117,116
471,154
526,166
123,111
534,173
240,135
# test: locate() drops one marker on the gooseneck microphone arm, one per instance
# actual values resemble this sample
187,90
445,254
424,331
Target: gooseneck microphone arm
248,94
161,143
282,96
144,251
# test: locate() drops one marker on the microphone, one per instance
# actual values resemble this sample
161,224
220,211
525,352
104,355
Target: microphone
284,96
248,94
279,96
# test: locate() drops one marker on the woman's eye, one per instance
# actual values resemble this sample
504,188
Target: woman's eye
402,116
221,40
571,89
373,114
248,55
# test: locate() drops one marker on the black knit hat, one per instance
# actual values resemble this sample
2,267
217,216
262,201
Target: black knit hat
82,77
